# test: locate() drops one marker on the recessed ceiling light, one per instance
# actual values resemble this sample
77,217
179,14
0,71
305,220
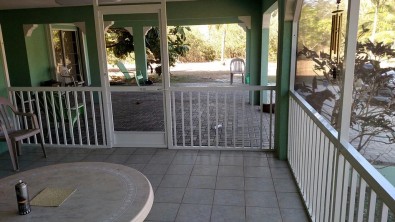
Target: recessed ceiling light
83,2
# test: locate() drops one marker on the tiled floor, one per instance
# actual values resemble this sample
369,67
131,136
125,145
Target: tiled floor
195,185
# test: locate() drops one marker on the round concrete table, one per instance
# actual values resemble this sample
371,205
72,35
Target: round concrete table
104,192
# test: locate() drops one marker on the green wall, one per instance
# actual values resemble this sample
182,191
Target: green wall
38,56
15,44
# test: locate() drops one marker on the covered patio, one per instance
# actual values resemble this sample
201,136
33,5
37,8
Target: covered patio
222,158
192,185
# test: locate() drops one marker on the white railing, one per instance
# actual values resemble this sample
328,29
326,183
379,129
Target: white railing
71,116
222,117
335,180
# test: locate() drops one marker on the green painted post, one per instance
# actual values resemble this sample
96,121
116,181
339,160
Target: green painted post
139,50
17,59
255,53
38,57
282,82
248,51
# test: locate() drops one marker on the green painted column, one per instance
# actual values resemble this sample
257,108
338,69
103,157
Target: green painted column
248,51
17,59
255,53
139,49
282,82
38,57
265,62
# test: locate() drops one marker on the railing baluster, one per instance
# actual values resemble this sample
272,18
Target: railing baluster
173,100
384,213
216,120
24,110
94,117
190,117
77,113
208,119
47,117
200,120
243,119
70,119
234,128
60,102
103,131
55,117
250,125
331,170
361,201
372,206
39,116
339,176
29,97
182,119
86,120
270,119
261,122
317,167
226,120
351,206
346,177
16,120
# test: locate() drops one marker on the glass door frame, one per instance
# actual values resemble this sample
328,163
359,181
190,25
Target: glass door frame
134,138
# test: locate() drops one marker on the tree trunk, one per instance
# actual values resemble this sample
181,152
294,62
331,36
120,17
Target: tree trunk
376,15
223,47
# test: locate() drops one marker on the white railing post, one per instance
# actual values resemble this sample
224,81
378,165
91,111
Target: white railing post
100,40
349,66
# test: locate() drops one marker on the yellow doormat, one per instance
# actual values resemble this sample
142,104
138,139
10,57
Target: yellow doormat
52,197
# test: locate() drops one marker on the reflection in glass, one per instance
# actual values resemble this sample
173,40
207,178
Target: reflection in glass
67,53
320,57
373,109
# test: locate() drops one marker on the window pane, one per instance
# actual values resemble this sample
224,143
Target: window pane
320,56
57,45
373,109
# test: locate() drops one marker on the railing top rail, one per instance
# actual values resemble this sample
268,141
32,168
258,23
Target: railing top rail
221,88
384,189
55,89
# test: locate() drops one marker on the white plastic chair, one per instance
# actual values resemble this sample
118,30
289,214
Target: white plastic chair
12,133
237,66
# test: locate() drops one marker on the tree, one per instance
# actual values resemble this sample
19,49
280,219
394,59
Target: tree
119,42
377,21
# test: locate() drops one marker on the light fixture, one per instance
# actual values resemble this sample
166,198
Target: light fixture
83,2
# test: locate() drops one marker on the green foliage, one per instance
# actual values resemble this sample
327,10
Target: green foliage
273,36
377,21
119,43
206,42
200,49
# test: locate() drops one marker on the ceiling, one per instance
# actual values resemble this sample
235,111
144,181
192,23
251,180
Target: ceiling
20,4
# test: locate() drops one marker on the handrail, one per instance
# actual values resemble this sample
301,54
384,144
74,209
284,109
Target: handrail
384,189
56,89
221,88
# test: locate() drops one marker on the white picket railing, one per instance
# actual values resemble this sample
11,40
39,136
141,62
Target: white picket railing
221,117
71,116
337,183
